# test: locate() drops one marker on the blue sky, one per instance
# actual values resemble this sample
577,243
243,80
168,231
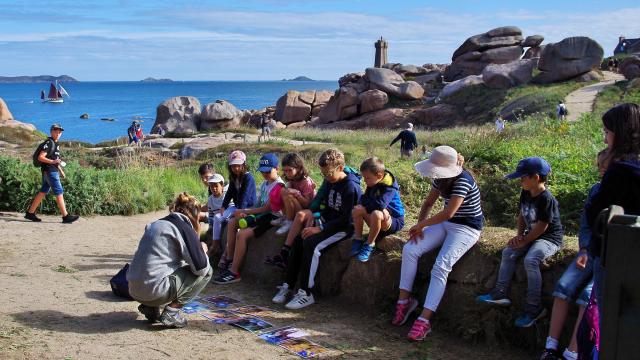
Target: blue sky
272,39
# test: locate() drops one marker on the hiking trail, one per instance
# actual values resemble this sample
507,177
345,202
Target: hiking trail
581,101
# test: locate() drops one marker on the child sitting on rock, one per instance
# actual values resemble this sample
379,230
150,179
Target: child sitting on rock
240,194
539,237
380,208
298,193
257,220
332,226
214,204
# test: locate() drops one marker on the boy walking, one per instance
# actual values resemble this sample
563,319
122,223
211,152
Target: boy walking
539,237
380,208
50,164
334,225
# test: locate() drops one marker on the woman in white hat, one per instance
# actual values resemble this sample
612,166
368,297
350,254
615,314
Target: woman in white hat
456,229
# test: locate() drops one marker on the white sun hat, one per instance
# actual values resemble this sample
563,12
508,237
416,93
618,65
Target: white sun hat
442,164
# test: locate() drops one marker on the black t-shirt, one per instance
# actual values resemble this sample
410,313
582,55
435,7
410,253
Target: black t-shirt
543,207
54,155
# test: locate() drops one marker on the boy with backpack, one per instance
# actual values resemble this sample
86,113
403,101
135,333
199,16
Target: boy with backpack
47,157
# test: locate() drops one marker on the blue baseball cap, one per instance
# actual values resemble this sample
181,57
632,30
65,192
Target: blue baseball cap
268,161
530,166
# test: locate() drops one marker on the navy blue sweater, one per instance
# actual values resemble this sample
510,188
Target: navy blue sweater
340,198
384,195
243,198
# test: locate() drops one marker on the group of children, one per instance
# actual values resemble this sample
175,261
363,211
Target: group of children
316,220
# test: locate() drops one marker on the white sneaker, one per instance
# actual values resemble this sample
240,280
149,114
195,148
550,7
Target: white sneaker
284,228
277,221
283,293
300,300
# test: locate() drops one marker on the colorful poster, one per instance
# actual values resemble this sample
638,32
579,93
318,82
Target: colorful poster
279,335
194,307
221,301
254,310
303,348
220,316
252,324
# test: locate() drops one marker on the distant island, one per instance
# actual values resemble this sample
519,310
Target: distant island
299,78
36,79
154,80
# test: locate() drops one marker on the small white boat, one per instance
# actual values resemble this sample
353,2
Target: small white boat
55,94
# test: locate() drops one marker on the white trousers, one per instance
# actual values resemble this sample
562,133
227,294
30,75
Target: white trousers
455,240
218,219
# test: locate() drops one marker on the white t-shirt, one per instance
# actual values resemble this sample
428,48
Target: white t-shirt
215,203
499,125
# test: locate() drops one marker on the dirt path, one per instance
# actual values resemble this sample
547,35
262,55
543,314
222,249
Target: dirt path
581,100
57,304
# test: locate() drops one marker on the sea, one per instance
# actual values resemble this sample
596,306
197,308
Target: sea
124,101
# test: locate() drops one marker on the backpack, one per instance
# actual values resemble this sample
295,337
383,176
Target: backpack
588,335
39,149
120,285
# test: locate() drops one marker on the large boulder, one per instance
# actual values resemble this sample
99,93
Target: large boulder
504,76
593,75
496,38
497,46
518,108
568,59
294,106
630,68
532,41
320,101
5,114
455,86
372,100
342,105
533,52
180,114
431,77
381,119
220,114
393,84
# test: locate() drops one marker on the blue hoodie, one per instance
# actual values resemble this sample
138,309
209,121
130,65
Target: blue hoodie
384,195
339,199
620,186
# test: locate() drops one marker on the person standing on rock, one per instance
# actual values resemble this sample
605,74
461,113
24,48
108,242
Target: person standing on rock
561,110
408,141
50,164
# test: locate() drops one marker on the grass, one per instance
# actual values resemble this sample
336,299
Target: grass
64,269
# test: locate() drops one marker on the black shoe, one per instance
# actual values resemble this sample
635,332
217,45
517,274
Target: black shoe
227,277
68,219
172,319
152,313
550,354
32,217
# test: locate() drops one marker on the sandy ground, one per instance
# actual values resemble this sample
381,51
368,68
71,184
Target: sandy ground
57,304
581,101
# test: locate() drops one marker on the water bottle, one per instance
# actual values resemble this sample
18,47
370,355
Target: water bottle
247,221
318,220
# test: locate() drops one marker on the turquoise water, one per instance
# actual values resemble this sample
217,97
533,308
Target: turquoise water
128,99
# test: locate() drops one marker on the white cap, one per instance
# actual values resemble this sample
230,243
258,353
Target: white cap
216,178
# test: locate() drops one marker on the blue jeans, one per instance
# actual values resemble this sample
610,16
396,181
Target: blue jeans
598,282
51,180
534,253
573,280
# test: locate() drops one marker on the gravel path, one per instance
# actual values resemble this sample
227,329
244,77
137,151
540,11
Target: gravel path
581,101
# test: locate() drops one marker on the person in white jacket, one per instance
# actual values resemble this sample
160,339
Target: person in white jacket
170,267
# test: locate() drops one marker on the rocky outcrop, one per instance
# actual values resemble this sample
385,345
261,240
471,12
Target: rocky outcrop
220,114
435,117
381,119
372,100
592,75
504,76
518,108
393,84
297,106
533,52
497,46
455,86
630,67
5,114
180,114
343,105
568,59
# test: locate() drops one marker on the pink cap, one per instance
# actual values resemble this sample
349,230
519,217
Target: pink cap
237,157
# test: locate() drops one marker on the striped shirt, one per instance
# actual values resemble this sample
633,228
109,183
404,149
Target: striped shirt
470,211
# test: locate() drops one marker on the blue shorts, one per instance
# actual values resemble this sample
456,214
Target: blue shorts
575,283
396,225
51,180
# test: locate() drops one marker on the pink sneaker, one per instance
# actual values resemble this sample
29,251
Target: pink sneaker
419,330
403,311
